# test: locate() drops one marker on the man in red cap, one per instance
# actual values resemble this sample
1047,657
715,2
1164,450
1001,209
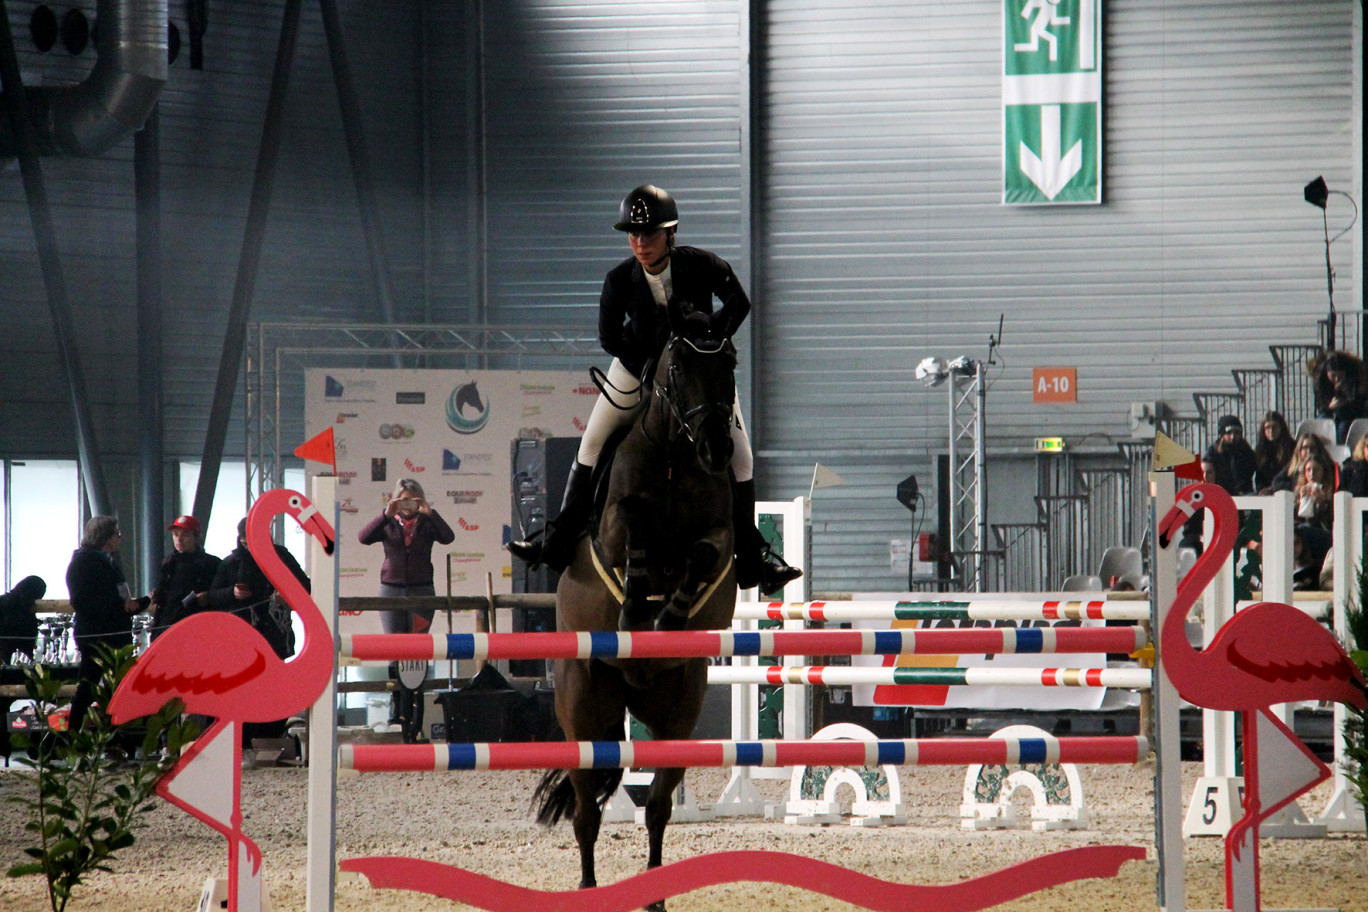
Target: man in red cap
186,575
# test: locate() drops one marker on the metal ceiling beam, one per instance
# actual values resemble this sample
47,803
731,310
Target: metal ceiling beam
45,237
248,266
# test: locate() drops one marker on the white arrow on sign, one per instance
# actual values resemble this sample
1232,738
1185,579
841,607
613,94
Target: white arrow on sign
1051,171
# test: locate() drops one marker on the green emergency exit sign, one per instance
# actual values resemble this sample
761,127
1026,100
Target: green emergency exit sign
1052,101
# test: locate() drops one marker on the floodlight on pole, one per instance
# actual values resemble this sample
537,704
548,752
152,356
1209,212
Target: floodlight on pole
1317,193
968,527
932,371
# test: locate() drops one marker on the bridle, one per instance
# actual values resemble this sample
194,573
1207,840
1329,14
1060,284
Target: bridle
690,421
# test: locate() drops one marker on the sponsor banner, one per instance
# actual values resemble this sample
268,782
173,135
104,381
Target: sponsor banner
451,431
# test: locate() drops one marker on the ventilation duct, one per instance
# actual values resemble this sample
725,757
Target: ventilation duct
115,99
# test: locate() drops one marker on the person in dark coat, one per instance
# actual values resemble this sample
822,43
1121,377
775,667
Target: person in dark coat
238,586
407,528
18,618
1273,451
185,576
1234,456
1341,387
1353,475
102,605
633,328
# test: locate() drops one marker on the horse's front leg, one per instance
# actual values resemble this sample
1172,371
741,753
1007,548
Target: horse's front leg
699,568
588,817
659,803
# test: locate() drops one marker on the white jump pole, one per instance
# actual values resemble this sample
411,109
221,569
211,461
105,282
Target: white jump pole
321,826
1168,771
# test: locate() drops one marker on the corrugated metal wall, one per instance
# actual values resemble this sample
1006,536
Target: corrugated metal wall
886,241
585,101
512,127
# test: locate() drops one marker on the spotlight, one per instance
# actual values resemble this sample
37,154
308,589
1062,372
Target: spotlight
932,371
1316,193
963,366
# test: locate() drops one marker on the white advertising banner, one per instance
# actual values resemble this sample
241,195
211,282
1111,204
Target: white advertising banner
451,431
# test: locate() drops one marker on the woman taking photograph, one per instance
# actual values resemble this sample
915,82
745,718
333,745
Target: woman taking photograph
407,528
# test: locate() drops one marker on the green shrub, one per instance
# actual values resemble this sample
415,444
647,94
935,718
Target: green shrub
88,788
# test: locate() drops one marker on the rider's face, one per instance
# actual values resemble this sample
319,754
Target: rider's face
650,248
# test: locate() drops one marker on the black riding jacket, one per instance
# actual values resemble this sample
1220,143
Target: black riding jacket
633,328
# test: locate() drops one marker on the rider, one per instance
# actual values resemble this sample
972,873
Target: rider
633,329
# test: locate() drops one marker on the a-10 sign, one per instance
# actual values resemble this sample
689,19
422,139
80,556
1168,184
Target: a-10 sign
1052,101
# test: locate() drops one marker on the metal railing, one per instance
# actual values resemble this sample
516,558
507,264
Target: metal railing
1025,563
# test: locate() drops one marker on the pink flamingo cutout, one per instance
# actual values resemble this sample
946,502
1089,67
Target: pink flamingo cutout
1268,653
221,667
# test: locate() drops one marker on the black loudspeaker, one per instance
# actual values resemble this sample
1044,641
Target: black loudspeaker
531,620
907,492
541,467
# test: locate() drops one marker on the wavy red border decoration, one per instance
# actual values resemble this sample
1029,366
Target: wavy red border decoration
450,882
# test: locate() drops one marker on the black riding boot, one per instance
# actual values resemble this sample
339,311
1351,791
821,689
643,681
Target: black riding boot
556,546
756,562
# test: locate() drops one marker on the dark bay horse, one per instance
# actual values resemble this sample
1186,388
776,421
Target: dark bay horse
662,556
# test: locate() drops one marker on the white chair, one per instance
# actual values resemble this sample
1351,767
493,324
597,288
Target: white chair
1123,565
1082,582
1358,428
1324,428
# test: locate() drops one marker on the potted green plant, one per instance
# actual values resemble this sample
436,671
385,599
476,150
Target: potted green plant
88,789
1355,728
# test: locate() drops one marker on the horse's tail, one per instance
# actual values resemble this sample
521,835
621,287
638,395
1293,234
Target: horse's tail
556,796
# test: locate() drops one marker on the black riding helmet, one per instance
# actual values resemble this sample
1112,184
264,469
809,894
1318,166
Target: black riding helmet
647,208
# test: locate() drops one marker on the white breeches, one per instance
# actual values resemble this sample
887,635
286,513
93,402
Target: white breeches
625,390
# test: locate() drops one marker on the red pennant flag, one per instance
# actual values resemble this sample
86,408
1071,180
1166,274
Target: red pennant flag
1192,471
319,448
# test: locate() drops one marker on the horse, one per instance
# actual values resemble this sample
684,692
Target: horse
661,556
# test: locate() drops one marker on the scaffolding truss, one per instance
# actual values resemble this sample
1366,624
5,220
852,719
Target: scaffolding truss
968,491
278,354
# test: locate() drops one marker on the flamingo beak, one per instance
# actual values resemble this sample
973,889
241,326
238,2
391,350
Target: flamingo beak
322,530
1182,511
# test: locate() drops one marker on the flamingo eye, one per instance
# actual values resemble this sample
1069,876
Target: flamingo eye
1196,497
296,502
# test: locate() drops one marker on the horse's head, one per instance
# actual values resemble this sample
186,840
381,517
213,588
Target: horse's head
696,379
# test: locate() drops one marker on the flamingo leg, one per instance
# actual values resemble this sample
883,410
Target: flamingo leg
1242,842
1278,767
194,785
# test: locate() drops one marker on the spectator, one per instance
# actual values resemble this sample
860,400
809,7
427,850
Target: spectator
1308,446
18,618
101,603
185,576
1341,387
407,528
1315,495
1272,452
1353,476
1310,545
240,587
1234,456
